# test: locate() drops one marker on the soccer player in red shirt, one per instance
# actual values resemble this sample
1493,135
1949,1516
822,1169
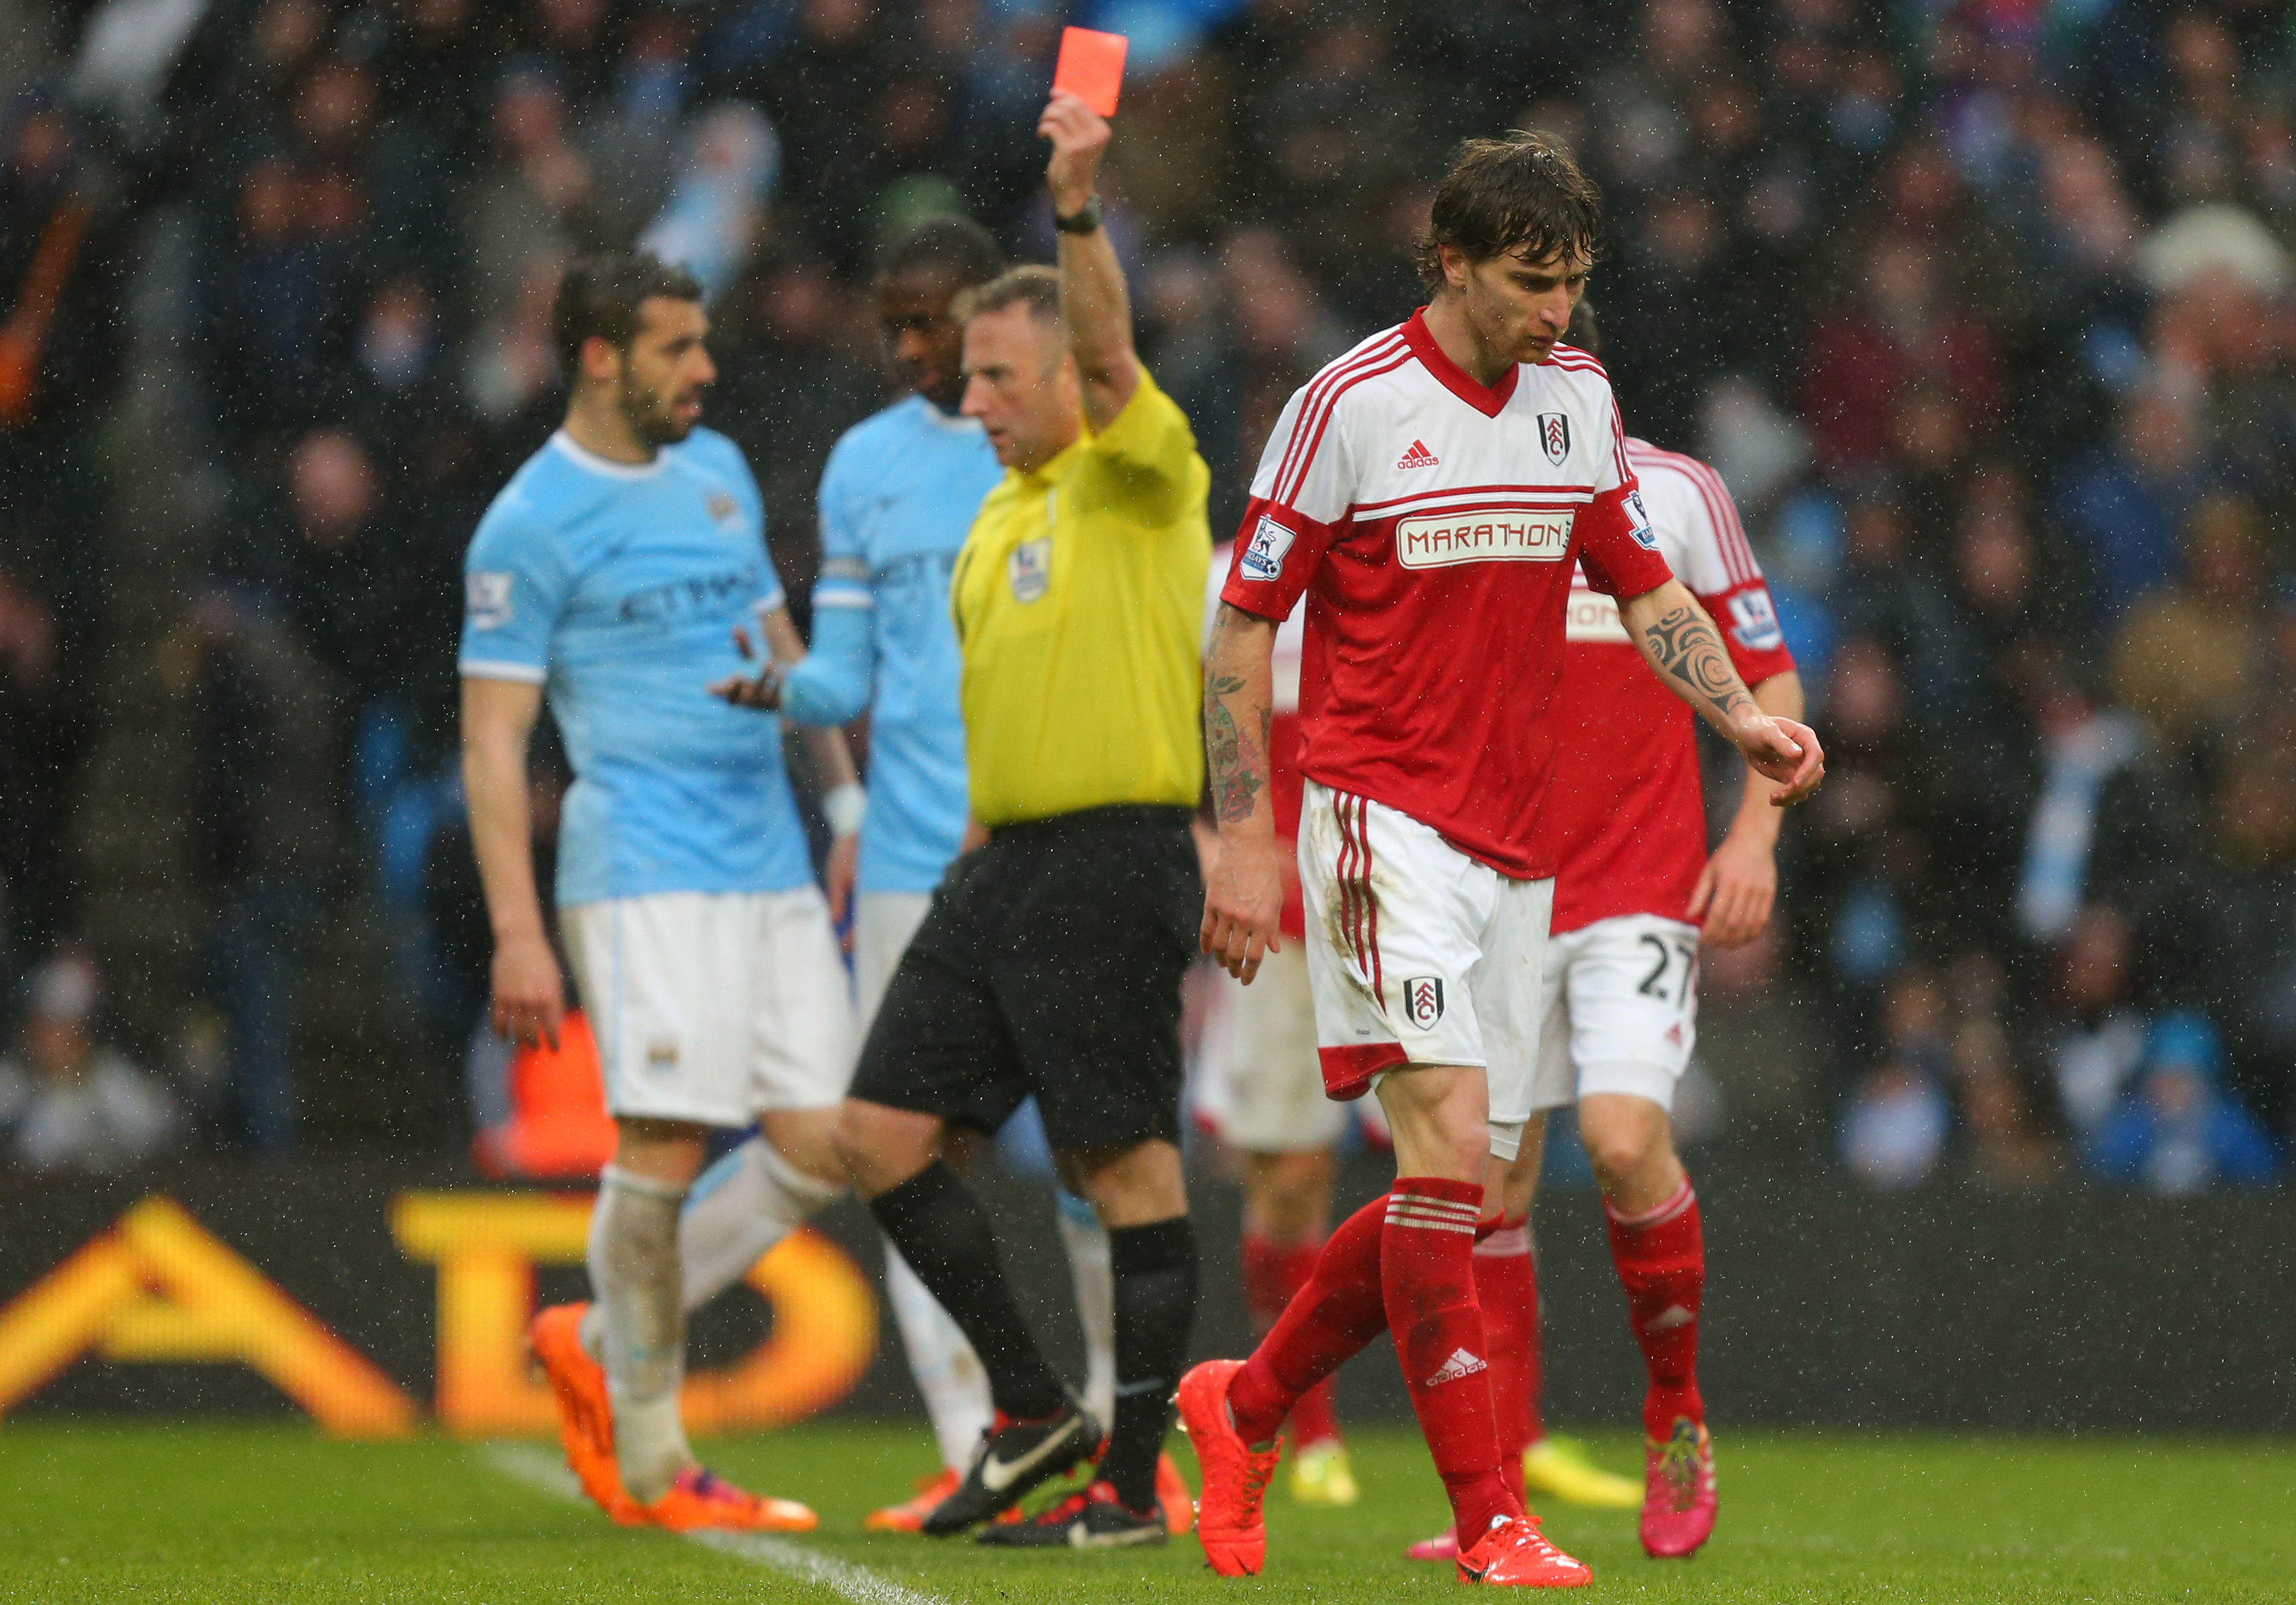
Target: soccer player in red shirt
1628,823
1428,493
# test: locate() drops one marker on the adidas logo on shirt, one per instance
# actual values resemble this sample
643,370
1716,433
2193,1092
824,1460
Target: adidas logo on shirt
1418,457
1460,1364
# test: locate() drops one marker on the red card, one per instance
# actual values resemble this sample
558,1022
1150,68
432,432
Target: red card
1091,67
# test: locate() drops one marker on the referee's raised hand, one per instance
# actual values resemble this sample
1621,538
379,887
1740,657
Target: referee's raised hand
1079,136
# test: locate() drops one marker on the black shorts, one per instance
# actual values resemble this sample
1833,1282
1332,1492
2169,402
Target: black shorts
1049,964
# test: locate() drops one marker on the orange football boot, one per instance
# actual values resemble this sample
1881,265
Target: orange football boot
1515,1554
1229,1521
585,1416
700,1498
1172,1493
909,1515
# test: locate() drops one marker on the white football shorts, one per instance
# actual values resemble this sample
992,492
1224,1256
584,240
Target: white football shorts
1622,1011
713,1006
1259,1049
882,923
1418,954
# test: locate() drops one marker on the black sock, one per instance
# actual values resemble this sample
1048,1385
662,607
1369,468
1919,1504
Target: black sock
940,1228
1155,1268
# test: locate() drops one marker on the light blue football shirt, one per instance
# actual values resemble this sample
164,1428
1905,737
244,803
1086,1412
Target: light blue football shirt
617,587
897,499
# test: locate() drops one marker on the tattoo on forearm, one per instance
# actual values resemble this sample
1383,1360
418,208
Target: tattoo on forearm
1684,645
1239,769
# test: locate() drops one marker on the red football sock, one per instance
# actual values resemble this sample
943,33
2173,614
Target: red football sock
1326,1324
1661,1254
1313,1419
1506,1286
1534,1350
1273,1273
1427,1267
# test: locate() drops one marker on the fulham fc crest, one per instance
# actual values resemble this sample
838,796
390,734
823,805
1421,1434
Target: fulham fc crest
1554,435
1422,1001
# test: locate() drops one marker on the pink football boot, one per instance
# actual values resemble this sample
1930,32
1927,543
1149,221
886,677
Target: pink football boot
1679,1501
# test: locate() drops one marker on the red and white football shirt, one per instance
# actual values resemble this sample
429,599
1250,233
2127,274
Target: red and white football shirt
1626,816
1431,521
1283,733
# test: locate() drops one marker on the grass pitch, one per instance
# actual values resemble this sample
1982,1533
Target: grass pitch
244,1515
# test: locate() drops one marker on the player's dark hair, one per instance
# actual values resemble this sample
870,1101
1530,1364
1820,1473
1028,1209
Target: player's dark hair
1582,332
1032,283
1522,194
951,244
600,297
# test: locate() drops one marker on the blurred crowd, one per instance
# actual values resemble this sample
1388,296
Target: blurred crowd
1983,308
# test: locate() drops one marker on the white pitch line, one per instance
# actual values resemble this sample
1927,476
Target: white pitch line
539,1469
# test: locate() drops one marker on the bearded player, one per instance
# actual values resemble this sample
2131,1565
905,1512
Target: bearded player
1622,1011
611,575
1428,494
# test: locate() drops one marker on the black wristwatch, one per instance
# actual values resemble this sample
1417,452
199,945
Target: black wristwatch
1084,219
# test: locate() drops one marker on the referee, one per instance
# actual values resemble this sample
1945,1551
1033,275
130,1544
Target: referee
1051,961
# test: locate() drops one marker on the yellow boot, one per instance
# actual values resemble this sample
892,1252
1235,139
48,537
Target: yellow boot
1322,1474
1558,1466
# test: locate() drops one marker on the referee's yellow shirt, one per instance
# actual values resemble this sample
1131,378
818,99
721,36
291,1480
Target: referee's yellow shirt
1079,601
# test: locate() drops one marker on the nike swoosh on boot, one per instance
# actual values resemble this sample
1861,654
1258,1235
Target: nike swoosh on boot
996,1475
